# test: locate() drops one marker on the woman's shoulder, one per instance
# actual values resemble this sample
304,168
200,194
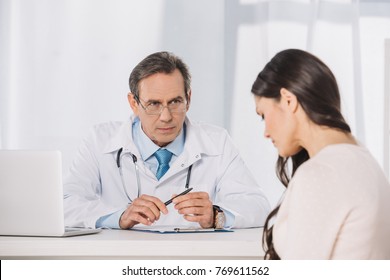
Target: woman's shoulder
340,156
340,168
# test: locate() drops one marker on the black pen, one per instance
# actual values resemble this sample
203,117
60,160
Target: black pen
183,193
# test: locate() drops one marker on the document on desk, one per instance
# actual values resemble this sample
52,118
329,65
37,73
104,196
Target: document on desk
176,229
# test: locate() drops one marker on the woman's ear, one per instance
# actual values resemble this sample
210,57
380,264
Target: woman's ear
289,100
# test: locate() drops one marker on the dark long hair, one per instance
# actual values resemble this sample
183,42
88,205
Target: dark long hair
317,92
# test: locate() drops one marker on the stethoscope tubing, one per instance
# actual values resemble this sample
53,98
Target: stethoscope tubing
135,161
118,163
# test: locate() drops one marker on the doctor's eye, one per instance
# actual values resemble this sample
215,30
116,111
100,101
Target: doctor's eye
175,101
153,104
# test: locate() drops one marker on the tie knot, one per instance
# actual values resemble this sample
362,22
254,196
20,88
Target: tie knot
163,156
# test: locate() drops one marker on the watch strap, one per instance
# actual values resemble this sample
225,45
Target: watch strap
219,217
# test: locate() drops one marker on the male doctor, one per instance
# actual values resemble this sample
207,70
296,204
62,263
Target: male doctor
125,172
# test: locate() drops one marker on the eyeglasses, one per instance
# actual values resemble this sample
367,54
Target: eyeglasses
177,105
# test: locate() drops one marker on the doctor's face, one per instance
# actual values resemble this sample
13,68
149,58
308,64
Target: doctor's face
166,90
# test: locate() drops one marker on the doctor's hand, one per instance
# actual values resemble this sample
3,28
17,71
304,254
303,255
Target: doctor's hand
196,207
144,209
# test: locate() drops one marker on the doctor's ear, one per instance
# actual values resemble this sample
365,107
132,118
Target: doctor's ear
188,99
289,99
133,103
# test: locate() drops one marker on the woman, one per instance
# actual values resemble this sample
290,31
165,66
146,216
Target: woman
337,201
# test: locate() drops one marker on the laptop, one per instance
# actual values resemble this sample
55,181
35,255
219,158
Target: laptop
31,195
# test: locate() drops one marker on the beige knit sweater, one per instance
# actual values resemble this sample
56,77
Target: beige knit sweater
337,206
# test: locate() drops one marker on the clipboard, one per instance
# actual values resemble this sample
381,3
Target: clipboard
177,229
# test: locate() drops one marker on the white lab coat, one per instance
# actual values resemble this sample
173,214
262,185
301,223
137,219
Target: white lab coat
94,186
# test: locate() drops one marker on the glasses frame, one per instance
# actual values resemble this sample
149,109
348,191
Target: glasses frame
138,99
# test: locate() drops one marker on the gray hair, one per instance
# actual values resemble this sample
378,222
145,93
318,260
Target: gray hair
159,62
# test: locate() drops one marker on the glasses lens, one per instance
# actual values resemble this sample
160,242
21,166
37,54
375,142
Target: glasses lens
176,106
154,108
157,108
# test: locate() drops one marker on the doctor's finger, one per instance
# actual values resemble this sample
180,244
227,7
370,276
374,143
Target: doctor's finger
135,218
154,203
205,221
142,214
194,202
191,196
208,210
147,209
130,218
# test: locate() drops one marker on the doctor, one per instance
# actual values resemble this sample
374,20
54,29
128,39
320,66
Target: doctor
124,172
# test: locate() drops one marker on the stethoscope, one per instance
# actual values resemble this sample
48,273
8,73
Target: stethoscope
135,160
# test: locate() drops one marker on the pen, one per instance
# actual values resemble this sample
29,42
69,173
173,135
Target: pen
183,193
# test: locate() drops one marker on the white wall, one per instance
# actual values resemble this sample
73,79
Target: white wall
67,63
64,64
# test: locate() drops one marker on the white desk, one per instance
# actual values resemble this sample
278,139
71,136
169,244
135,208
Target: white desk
122,244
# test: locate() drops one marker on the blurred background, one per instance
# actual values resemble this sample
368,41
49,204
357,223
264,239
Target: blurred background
64,65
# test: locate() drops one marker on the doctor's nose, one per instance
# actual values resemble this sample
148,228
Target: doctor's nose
165,114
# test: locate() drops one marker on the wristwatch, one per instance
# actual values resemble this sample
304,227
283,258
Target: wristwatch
219,217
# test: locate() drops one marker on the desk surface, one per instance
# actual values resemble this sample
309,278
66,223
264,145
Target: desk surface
123,244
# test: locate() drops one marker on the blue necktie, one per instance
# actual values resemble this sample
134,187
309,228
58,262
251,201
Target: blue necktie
163,157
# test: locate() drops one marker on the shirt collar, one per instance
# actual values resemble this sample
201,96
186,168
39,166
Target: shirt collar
195,137
147,147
